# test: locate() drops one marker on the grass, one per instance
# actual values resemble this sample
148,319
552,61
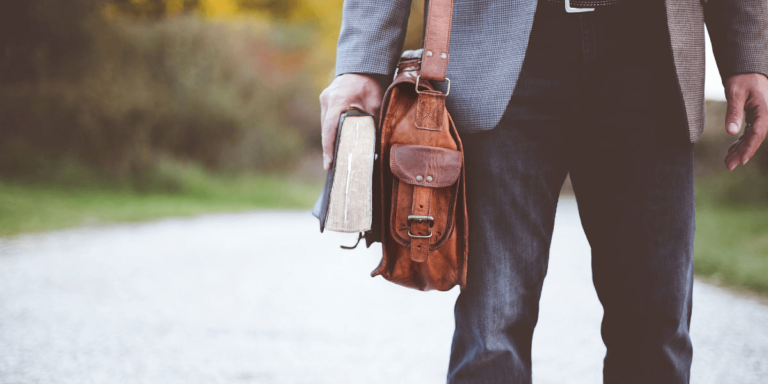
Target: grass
731,246
37,207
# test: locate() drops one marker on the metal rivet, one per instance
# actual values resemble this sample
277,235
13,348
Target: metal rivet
429,53
419,178
443,55
429,178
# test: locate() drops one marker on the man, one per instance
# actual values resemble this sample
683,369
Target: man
613,96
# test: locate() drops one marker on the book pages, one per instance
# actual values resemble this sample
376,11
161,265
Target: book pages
350,206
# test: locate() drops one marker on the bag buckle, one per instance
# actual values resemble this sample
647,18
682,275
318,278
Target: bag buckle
420,237
421,218
570,9
447,91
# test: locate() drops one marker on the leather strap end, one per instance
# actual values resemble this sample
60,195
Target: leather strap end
422,197
430,110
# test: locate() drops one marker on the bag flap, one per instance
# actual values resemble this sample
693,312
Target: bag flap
425,166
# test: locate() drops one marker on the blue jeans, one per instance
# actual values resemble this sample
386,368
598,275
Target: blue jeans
597,99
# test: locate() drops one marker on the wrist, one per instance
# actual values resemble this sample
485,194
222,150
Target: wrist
382,81
742,74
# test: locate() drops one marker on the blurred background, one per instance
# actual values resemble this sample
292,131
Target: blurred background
116,111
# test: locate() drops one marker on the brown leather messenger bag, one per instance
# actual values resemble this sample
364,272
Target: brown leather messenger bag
420,213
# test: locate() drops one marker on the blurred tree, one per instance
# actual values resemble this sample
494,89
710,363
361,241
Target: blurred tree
34,34
321,16
149,9
279,9
117,86
154,9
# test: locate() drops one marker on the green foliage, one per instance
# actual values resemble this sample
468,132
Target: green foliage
152,9
732,245
274,8
229,96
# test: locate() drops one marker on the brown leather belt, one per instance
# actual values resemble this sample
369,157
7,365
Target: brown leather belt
580,6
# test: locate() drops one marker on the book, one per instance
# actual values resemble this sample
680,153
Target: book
346,203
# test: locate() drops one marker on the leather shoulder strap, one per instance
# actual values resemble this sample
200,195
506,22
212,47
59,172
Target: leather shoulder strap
437,39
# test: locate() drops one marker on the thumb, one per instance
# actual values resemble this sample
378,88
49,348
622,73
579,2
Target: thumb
735,113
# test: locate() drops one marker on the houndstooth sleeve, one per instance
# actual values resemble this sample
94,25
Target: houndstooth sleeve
739,33
372,36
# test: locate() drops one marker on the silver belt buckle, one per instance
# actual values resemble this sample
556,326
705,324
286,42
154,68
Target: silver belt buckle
570,9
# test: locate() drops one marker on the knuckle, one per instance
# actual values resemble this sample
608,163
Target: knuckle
734,106
334,98
734,93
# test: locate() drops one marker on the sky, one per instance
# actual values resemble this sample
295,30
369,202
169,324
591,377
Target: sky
713,85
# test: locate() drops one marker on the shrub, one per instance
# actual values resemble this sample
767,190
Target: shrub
231,96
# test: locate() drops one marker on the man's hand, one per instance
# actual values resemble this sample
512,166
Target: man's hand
748,93
346,92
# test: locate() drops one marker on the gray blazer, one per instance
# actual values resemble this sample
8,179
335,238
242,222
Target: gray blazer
489,39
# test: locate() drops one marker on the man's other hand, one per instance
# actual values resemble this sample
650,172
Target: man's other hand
746,93
347,91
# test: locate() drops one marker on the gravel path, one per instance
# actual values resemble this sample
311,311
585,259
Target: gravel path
264,298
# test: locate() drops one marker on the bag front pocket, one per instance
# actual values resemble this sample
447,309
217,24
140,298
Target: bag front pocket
424,192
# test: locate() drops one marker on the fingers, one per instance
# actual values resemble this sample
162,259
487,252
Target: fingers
746,147
747,93
323,105
373,101
754,138
345,92
735,114
373,106
323,133
733,158
329,126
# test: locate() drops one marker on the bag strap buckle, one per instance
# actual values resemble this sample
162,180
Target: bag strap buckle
421,218
447,91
